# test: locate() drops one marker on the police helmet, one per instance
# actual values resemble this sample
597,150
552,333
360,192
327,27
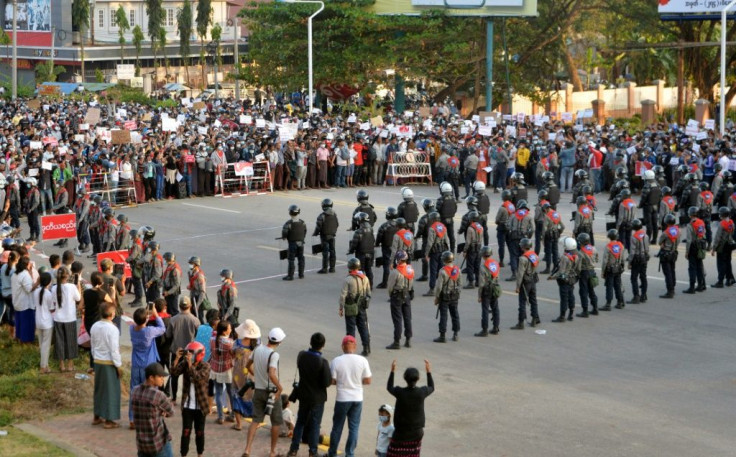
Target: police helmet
353,263
693,211
153,245
479,186
623,184
486,251
226,273
122,218
636,224
133,234
620,172
690,177
391,213
8,243
518,178
625,193
726,175
194,260
169,257
448,257
474,216
522,204
670,219
649,175
667,190
407,194
401,222
445,188
147,232
433,217
10,180
548,176
472,201
506,195
542,195
401,256
546,206
294,210
583,239
428,205
97,199
109,212
704,186
724,212
587,190
581,174
326,204
612,234
658,170
682,169
362,195
570,244
525,244
361,217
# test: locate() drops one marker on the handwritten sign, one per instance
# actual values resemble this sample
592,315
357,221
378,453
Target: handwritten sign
93,116
120,136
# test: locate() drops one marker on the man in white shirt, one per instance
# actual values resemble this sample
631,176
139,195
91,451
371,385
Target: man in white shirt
105,346
350,372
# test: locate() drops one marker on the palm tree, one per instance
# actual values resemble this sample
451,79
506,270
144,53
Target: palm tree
138,43
204,19
47,72
80,21
123,26
162,43
184,25
155,12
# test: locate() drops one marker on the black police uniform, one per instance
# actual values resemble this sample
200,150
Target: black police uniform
367,208
553,194
385,239
410,212
518,192
447,207
421,233
362,246
484,208
651,196
326,228
294,232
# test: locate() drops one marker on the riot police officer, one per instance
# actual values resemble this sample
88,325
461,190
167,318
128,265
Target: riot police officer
620,180
472,204
583,220
616,201
504,213
421,233
705,206
400,292
588,278
354,299
626,215
403,240
723,244
488,292
612,265
689,196
446,296
553,192
408,209
566,273
363,244
539,214
638,260
668,242
364,207
519,226
447,207
437,243
518,189
384,239
651,197
471,250
582,181
326,229
526,284
294,231
171,282
695,249
484,207
153,270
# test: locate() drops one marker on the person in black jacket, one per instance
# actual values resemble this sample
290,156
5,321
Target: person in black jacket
314,379
409,410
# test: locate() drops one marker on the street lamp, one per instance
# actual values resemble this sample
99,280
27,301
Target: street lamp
309,38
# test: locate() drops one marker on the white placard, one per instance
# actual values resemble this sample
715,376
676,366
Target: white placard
36,145
122,112
691,130
566,117
32,172
631,149
384,134
202,130
485,130
520,117
260,157
407,113
692,123
588,113
696,148
365,126
169,125
260,123
181,119
464,130
79,138
710,124
545,118
62,150
104,133
352,119
701,136
476,119
287,132
83,127
507,117
136,138
492,124
511,131
46,165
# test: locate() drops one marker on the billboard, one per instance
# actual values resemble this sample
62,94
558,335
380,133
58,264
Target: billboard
692,6
33,22
483,8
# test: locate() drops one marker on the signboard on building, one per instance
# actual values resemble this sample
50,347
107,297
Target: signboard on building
126,71
462,8
691,6
136,81
33,22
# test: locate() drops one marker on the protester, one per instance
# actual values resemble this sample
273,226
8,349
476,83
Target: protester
45,308
143,338
189,363
409,419
105,344
180,331
149,406
66,296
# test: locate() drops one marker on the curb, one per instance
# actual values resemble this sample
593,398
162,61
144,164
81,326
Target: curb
42,435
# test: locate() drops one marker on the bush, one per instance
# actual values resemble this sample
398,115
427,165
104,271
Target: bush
166,104
23,90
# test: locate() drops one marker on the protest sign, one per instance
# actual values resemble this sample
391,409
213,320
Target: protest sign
59,227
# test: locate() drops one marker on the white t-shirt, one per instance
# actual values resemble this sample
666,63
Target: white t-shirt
384,437
66,311
260,358
44,317
349,370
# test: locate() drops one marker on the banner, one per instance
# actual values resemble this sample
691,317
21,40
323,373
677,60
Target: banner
691,6
58,226
243,168
118,258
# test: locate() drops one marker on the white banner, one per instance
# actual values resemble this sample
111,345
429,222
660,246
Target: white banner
692,6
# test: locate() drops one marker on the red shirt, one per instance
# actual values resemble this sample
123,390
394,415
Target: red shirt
358,148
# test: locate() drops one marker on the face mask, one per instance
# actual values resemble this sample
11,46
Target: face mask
383,418
191,267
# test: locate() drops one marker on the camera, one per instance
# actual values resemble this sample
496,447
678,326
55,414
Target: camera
269,404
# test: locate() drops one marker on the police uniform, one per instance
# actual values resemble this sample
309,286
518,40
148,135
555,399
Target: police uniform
364,207
171,284
13,196
518,192
422,233
626,214
354,299
227,294
689,198
651,198
447,207
587,280
81,209
294,232
107,233
638,260
566,274
612,265
452,176
539,216
484,208
577,189
526,285
723,244
446,296
732,204
135,256
403,240
153,268
385,239
667,205
520,225
326,229
553,194
362,246
705,205
400,291
33,200
552,228
471,251
95,220
437,243
122,237
668,242
695,249
410,212
489,271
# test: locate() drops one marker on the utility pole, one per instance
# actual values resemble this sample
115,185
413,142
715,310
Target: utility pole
14,70
236,59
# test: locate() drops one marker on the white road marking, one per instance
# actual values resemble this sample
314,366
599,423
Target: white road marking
235,232
211,207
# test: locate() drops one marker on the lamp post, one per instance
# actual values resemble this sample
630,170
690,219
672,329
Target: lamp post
14,70
212,48
309,39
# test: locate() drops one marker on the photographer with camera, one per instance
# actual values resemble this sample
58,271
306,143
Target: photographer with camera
190,364
264,364
143,339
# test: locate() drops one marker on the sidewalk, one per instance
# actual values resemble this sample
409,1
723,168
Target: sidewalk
75,434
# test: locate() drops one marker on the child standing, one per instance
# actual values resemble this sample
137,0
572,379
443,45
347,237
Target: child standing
385,430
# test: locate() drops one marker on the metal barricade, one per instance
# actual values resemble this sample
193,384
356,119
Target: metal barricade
409,167
244,178
120,193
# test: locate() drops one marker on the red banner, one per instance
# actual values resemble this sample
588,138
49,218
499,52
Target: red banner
118,257
641,166
58,227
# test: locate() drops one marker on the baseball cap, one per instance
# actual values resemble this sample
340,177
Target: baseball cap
155,369
348,339
388,408
276,335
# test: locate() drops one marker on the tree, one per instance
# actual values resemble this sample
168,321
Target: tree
6,41
162,43
216,34
204,19
155,12
138,38
121,18
80,22
184,30
47,72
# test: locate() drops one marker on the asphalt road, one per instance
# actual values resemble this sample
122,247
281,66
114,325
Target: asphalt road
652,379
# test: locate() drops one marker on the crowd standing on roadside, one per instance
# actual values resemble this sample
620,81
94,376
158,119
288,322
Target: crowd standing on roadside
56,160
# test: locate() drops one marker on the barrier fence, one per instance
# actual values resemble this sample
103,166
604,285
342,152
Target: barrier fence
409,167
118,193
244,178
